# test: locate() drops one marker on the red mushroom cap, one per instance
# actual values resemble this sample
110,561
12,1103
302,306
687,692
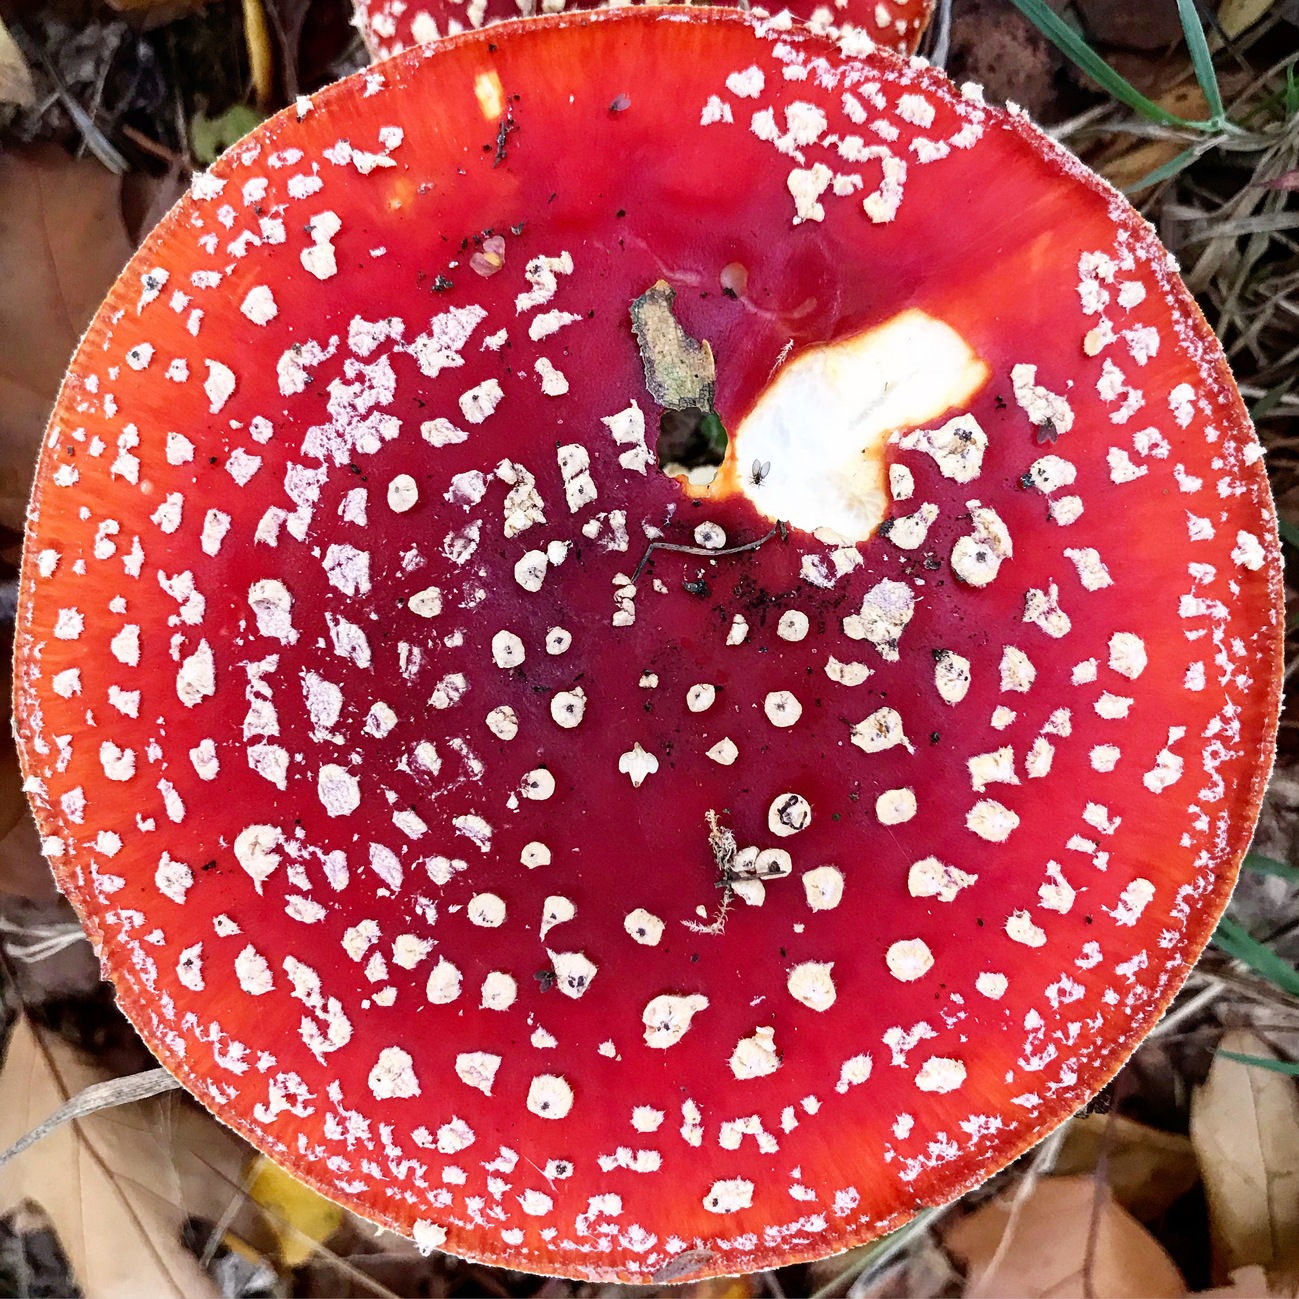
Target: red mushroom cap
391,26
585,872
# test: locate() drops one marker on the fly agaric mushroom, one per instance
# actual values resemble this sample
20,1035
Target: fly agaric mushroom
391,26
592,870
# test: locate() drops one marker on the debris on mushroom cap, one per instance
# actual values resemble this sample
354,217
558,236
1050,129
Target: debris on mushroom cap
391,26
520,871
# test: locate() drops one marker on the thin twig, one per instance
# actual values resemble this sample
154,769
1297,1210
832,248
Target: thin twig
152,147
779,527
1191,1007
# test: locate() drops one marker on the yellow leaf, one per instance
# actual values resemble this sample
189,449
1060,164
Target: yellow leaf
299,1216
1245,1130
1065,1238
1238,15
115,1185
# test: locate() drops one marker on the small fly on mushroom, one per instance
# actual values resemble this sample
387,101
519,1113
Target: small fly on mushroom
582,866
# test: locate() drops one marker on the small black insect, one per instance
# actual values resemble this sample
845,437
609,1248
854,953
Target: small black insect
759,471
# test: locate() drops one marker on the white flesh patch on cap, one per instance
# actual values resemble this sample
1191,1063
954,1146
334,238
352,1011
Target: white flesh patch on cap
846,674
503,722
881,730
272,605
886,610
1128,654
486,910
537,785
1017,671
1044,408
823,422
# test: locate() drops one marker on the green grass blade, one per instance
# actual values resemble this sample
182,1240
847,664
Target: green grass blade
1269,401
1056,30
1262,1062
1239,943
1288,531
1256,862
1202,60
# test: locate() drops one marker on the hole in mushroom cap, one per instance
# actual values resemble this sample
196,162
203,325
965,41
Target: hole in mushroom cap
692,445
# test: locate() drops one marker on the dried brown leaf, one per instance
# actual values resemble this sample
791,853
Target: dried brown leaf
1065,1238
1130,159
1245,1129
117,1184
1145,1168
62,244
24,872
15,77
1245,1283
